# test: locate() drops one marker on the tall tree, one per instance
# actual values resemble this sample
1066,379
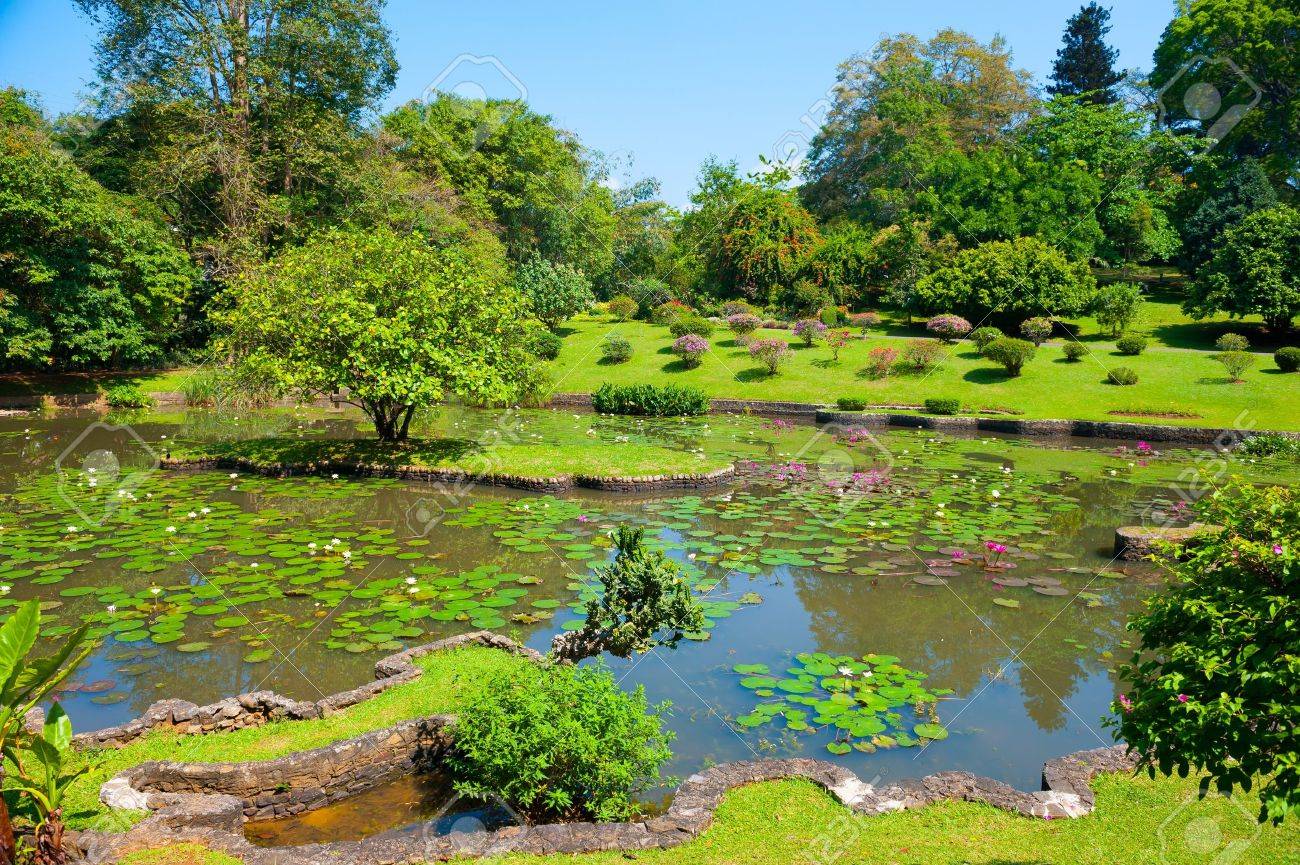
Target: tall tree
1234,192
258,90
1085,64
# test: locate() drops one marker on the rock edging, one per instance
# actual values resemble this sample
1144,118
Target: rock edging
557,484
208,803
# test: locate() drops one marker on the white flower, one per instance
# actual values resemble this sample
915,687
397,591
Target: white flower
867,674
311,545
155,590
192,515
334,476
997,494
940,514
347,554
205,510
4,590
234,474
334,542
1113,472
253,565
410,581
72,530
691,556
90,471
845,671
171,529
112,608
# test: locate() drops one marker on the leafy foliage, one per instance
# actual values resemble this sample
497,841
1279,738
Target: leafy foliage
690,323
1008,278
1236,362
556,292
1116,306
643,602
399,324
127,396
559,741
1012,354
650,400
1217,690
808,330
772,353
982,336
1036,329
1132,344
691,348
1253,271
615,349
1074,351
1287,358
1123,376
943,405
1232,196
621,307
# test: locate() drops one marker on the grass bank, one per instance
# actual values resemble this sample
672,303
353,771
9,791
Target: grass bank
523,458
1176,385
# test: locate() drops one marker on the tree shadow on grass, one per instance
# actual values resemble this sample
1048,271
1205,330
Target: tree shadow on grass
987,375
563,331
1202,334
754,373
678,365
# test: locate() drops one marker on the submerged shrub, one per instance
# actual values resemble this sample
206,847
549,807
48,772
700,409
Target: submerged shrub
1287,358
127,396
691,323
943,405
1122,375
559,741
649,400
1074,351
1011,353
770,352
948,327
615,349
691,349
1131,344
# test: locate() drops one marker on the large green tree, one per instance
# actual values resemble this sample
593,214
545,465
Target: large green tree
87,278
396,322
1231,193
1253,271
1085,64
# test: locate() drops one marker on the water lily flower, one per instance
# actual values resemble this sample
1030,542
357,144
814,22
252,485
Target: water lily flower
845,671
234,475
171,529
72,529
997,494
410,581
311,545
253,565
155,591
347,554
205,510
334,476
583,518
4,589
112,608
334,542
192,515
412,590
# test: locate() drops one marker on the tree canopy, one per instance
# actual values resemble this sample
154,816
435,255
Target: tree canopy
1085,64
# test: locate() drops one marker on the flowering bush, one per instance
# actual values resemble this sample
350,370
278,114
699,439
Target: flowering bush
921,354
1216,688
982,336
864,321
742,324
837,339
1036,330
667,313
691,349
948,327
880,361
770,352
621,307
809,330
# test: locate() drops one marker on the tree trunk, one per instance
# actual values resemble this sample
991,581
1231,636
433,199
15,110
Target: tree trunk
49,840
8,851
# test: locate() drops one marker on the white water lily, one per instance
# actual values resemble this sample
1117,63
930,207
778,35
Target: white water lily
347,554
205,510
253,565
334,542
234,474
410,581
995,493
154,590
72,530
334,476
311,545
193,515
4,590
412,590
112,608
171,529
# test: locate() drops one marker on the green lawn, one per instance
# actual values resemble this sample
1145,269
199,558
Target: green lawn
1171,380
40,384
545,459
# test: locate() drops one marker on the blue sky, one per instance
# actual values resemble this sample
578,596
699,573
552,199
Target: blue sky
656,86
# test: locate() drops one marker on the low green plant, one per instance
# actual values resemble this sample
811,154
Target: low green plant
1036,330
545,344
649,400
643,603
1116,306
921,354
1232,342
1074,351
667,312
202,388
621,307
1123,376
851,403
1131,344
127,396
1270,444
690,323
1287,358
49,751
982,336
943,405
1012,354
1216,689
559,741
1236,362
615,349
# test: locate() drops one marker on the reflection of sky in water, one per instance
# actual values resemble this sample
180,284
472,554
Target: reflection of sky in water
1008,715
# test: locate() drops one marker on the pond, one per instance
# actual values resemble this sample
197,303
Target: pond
838,542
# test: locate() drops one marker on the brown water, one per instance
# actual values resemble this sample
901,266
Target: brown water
253,593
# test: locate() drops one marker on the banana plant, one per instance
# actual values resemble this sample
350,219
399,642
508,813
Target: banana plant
49,749
24,683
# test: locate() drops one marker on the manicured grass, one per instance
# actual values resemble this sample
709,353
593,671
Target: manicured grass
39,384
521,458
1170,380
1137,822
439,690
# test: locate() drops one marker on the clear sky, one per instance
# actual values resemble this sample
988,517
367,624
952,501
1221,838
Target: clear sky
656,86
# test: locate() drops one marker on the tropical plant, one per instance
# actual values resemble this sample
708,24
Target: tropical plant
559,741
615,349
1036,330
49,750
1131,344
742,324
1011,353
691,349
808,330
691,323
556,292
644,602
948,328
772,353
621,307
1216,689
649,400
24,684
1236,362
1287,358
1122,376
1116,306
397,322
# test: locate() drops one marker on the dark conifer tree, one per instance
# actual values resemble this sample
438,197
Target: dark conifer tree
1085,64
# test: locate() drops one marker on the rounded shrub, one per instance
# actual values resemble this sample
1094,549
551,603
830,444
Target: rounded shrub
615,349
545,345
1036,330
559,741
772,353
943,405
1011,353
1232,342
1122,375
808,330
621,307
880,362
864,321
1235,362
691,349
127,396
851,403
921,354
691,323
668,312
833,316
738,307
982,336
742,324
1287,358
948,328
1074,351
1131,344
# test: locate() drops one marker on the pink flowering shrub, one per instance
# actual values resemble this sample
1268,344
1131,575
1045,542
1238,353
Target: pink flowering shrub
809,330
691,349
770,352
880,361
742,324
864,321
948,327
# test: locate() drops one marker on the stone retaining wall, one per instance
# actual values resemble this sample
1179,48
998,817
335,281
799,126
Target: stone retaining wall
557,484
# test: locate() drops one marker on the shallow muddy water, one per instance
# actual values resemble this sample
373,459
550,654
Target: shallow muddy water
840,542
